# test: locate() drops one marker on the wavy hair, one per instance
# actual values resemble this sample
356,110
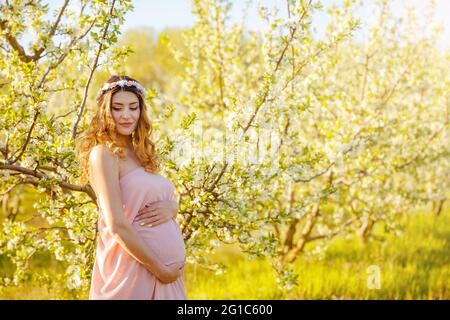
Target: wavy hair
102,130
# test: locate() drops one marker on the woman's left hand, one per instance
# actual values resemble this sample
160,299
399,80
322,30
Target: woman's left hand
157,212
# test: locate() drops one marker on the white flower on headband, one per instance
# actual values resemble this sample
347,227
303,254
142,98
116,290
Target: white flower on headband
121,83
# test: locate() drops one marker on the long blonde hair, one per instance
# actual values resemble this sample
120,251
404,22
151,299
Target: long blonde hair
102,130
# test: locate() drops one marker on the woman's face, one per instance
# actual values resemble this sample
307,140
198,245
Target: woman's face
125,111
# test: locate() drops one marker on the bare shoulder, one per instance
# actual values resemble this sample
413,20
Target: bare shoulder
101,151
104,160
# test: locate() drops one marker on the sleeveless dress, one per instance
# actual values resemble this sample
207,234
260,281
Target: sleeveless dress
117,275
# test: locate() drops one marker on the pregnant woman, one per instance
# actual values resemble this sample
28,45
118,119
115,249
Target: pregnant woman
140,251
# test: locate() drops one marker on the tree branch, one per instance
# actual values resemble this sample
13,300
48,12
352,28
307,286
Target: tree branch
280,59
63,184
93,68
16,45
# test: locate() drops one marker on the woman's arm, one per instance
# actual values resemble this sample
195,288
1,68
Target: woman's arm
105,173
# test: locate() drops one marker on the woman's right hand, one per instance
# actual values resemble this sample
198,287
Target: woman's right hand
171,272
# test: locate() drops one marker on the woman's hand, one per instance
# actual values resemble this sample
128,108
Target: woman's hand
157,212
171,272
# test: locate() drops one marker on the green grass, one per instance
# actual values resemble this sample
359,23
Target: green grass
415,265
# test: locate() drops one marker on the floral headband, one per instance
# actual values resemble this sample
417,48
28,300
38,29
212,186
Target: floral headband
121,83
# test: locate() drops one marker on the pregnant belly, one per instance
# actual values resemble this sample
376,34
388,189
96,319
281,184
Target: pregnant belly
166,240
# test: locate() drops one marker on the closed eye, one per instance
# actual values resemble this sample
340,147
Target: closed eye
117,109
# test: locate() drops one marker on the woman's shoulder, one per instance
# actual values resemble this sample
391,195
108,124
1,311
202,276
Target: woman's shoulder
101,153
101,149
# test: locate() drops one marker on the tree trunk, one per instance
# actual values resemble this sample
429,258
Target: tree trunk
365,229
437,207
292,253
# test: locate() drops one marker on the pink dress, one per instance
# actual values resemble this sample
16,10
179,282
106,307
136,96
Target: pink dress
116,274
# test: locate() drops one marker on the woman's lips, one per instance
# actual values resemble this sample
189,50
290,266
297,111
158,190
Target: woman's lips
127,125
